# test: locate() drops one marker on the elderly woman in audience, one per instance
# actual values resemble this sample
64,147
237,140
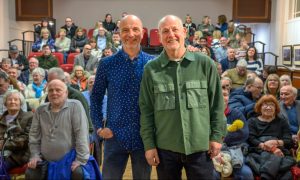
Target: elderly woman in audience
285,80
237,135
253,63
35,91
14,73
272,85
16,124
206,27
78,41
80,77
62,44
45,39
270,140
5,64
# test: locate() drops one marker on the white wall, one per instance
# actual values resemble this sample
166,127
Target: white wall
86,13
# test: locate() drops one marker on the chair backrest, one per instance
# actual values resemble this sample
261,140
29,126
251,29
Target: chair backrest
67,67
144,41
154,38
59,56
71,57
209,40
90,33
33,54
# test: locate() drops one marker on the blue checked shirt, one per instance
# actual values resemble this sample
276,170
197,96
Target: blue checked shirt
121,77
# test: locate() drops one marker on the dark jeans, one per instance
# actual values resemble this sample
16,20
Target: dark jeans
115,161
38,173
197,165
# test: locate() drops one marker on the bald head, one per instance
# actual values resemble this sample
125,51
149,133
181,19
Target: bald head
129,19
57,93
57,83
168,18
288,95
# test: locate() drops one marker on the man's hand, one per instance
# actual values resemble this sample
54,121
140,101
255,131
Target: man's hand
105,133
152,157
32,163
214,148
74,165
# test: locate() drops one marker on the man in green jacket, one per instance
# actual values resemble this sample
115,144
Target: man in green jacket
46,60
181,103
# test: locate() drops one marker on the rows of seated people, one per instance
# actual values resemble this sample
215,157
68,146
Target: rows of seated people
254,95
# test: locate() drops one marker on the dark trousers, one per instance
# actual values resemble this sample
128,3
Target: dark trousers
197,165
40,172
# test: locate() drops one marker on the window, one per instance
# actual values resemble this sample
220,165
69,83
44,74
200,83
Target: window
294,9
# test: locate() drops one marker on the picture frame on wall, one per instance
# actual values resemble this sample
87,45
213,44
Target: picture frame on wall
296,52
287,55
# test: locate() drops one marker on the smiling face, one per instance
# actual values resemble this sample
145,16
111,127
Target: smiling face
287,96
172,34
268,109
13,102
131,32
273,83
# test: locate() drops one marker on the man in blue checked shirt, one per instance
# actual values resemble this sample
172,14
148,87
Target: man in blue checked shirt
121,75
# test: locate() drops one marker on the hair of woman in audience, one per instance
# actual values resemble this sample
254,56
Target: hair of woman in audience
45,33
13,91
268,70
79,29
267,99
217,34
206,51
205,20
222,19
272,85
252,57
98,24
80,77
285,80
108,18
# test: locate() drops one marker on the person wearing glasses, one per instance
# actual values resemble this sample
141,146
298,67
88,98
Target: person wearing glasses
244,98
70,28
270,140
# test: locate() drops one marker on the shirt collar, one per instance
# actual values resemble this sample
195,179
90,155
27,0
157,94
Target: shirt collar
126,56
164,59
66,105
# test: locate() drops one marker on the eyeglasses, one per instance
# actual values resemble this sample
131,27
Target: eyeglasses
265,105
258,87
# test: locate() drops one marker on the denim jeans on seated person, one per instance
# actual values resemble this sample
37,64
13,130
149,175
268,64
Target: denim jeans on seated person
116,158
243,173
197,165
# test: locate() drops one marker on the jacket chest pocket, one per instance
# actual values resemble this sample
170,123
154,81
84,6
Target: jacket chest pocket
164,96
196,92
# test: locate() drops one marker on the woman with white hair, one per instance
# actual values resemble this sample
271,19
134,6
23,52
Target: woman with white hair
16,123
35,91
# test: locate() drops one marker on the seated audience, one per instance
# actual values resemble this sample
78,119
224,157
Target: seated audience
62,44
98,25
26,76
241,51
70,28
7,84
13,73
33,92
286,80
222,24
206,51
107,52
253,63
290,108
86,59
272,85
47,60
267,71
18,60
221,52
117,28
5,65
116,41
44,25
16,147
103,39
95,51
203,43
44,40
230,61
78,41
237,135
269,140
226,83
80,77
238,75
189,25
206,27
245,98
60,126
216,39
108,24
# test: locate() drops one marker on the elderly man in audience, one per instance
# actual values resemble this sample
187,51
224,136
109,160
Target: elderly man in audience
238,75
13,73
221,52
244,99
17,144
18,60
5,86
103,39
57,128
86,59
26,76
230,61
70,27
286,80
33,92
47,60
290,108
